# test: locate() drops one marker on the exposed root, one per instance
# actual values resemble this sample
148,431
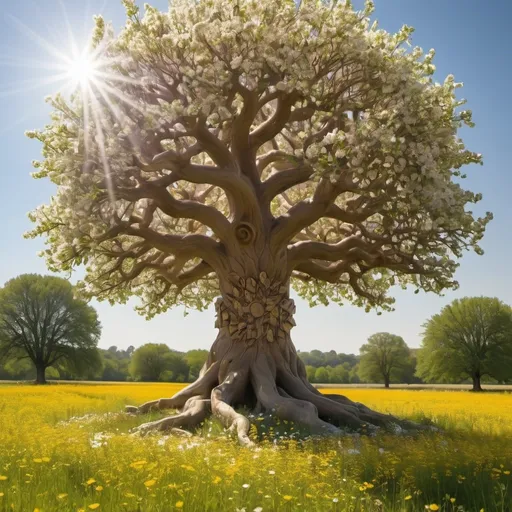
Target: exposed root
201,388
230,391
285,407
194,412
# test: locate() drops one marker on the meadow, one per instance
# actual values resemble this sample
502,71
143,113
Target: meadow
68,448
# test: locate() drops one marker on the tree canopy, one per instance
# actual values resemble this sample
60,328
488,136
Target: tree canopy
385,357
469,338
219,125
42,321
156,361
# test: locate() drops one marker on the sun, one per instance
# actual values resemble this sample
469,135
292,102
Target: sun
82,69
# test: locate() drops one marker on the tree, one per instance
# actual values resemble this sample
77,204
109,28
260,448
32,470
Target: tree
149,361
383,358
42,321
237,149
196,359
322,375
470,338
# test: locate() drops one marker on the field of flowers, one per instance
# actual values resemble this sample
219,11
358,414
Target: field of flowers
68,448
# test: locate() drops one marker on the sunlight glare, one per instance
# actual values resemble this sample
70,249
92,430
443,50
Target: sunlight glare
82,69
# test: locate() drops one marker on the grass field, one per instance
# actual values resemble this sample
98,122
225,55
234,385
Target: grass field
67,448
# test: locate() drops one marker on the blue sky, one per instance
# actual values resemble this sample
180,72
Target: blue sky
470,38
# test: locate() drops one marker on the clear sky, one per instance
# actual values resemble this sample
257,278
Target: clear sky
470,37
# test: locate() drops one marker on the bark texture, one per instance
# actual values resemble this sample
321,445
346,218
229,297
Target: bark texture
253,365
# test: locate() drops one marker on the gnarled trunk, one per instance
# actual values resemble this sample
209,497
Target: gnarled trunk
253,364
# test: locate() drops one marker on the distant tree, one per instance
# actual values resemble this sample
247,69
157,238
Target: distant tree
322,375
40,320
149,361
384,357
470,338
338,374
195,360
310,372
178,367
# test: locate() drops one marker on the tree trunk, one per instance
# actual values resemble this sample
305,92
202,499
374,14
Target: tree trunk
40,374
253,364
386,381
476,382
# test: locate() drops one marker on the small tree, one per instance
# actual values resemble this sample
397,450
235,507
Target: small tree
470,338
40,320
234,150
149,361
383,358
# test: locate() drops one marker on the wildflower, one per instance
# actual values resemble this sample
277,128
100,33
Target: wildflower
335,500
2,478
94,506
452,500
506,472
309,495
246,486
216,480
99,488
90,481
150,483
38,461
1,494
45,459
287,497
408,497
433,506
62,496
271,472
258,509
179,504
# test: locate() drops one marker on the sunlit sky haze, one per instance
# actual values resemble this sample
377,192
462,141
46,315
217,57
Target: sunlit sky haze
471,42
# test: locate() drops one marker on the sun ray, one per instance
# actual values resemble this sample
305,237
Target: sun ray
101,145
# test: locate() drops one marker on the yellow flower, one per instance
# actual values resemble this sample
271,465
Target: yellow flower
38,461
179,504
217,479
452,500
90,481
409,497
61,496
150,483
287,497
138,464
2,478
37,510
309,495
99,488
94,506
1,494
433,506
45,459
506,472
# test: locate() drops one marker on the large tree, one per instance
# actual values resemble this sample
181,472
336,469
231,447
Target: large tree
384,357
238,149
42,321
470,338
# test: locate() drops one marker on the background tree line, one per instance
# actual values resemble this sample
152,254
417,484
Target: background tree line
46,332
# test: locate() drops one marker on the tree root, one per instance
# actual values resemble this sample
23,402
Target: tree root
194,412
264,378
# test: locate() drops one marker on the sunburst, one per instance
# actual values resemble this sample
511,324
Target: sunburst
81,70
